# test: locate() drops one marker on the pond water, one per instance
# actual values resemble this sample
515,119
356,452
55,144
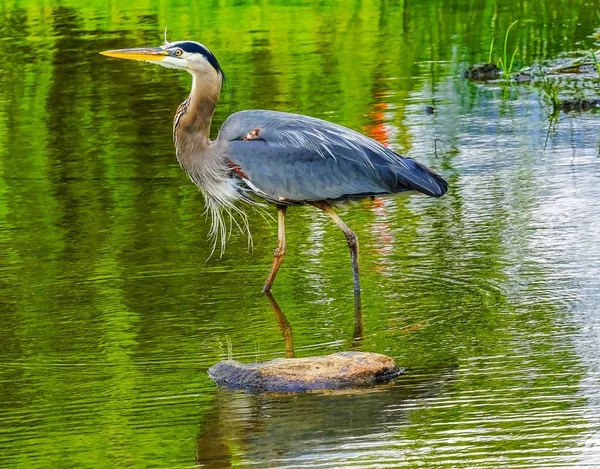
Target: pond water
110,312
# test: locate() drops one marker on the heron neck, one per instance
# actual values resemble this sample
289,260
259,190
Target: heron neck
191,130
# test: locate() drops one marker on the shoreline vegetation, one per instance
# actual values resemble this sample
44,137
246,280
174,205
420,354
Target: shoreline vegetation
567,84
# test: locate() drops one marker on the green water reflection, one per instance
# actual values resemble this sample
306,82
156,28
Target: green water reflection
111,313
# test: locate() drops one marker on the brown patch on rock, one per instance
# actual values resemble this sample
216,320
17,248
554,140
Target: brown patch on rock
338,370
572,69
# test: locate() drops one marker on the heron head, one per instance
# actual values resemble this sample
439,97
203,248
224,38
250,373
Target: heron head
185,55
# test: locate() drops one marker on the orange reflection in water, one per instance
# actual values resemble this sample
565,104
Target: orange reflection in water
381,131
378,129
383,235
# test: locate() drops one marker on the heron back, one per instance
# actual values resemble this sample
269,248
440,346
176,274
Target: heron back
286,157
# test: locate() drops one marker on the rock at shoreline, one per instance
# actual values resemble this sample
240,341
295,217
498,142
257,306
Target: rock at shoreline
578,104
338,370
482,72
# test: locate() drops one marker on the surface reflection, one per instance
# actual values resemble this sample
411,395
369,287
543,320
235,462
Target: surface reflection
297,429
284,325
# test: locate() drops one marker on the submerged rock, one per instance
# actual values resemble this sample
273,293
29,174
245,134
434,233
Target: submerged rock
482,72
575,69
338,370
523,77
578,104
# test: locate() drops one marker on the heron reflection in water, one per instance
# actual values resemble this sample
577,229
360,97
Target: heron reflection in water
282,158
286,327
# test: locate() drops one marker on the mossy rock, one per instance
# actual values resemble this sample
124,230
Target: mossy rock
335,371
482,72
578,104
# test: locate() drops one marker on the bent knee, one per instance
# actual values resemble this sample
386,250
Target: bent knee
352,239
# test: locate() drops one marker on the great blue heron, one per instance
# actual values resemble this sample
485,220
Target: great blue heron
282,158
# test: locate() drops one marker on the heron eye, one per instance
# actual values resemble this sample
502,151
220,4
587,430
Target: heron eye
178,52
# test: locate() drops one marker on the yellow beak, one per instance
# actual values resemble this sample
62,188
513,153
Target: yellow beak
148,54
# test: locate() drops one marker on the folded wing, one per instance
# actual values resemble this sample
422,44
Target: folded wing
290,157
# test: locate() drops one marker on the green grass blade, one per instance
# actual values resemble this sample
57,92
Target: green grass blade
512,60
491,49
506,41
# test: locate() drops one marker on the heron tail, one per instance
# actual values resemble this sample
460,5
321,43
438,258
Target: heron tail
412,175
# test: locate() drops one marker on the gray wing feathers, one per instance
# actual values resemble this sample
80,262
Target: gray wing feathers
301,158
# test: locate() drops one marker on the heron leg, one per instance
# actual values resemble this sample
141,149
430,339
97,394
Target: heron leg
279,250
350,237
358,320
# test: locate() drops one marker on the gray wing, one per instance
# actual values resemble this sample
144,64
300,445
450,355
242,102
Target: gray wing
293,158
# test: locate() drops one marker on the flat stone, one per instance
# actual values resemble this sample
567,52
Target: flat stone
338,370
